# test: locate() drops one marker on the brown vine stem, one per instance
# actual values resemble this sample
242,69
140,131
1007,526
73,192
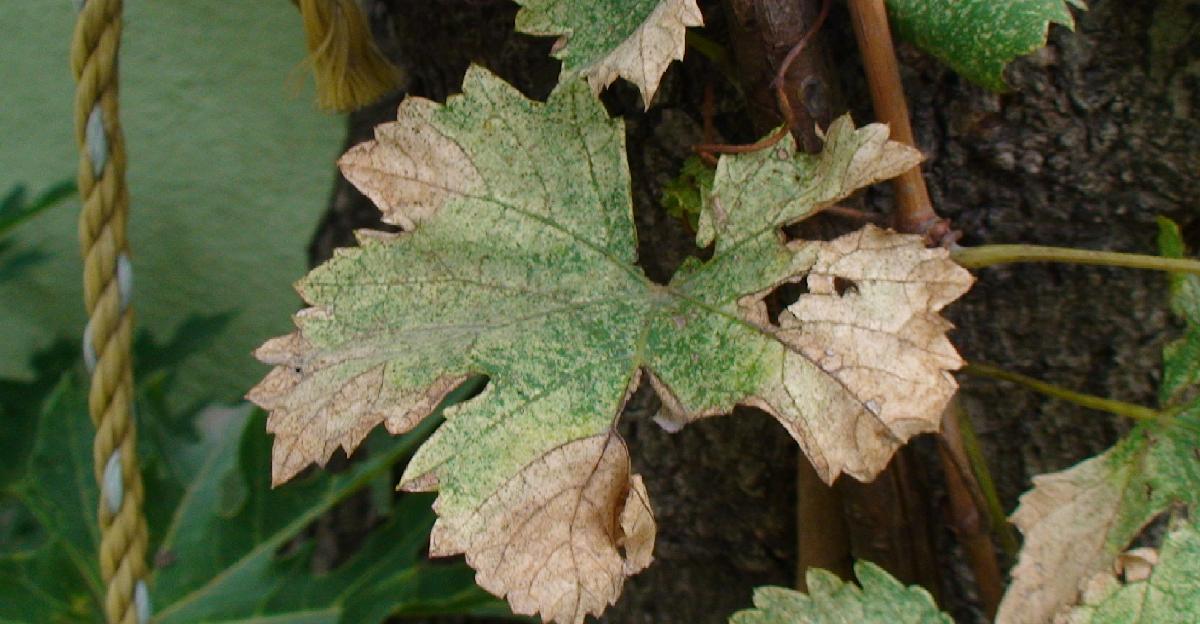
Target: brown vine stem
915,215
914,212
854,214
990,255
1112,406
822,534
779,54
782,100
971,519
968,499
973,452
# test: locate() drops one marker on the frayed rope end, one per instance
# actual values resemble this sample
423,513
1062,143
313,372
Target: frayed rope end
350,70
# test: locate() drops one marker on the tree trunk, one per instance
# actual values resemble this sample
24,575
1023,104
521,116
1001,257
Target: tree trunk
1096,140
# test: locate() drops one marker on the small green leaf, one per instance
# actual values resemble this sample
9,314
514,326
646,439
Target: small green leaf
978,38
1185,287
519,264
603,39
684,197
1171,594
880,600
1181,358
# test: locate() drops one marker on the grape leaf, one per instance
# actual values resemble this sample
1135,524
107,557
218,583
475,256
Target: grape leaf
880,600
1171,594
978,38
216,530
519,265
1076,522
603,39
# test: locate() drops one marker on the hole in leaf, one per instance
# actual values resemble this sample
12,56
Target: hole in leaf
664,241
844,286
640,410
1151,535
823,226
783,296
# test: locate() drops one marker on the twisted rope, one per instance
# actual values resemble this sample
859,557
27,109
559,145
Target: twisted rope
107,286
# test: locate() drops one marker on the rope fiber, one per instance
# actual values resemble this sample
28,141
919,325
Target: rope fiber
351,73
350,70
107,285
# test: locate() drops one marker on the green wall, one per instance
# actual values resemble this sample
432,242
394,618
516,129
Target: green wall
229,168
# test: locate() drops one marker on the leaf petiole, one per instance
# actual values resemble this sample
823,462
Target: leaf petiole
1112,406
989,255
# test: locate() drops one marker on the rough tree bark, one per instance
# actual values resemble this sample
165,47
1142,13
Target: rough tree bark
1098,138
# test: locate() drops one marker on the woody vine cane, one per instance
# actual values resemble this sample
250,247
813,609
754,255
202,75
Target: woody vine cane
107,285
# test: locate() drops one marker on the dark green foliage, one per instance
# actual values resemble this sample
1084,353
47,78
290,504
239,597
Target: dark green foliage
15,208
684,197
224,545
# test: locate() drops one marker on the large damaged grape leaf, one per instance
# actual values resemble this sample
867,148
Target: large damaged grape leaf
881,600
978,38
1170,594
519,265
603,39
1076,522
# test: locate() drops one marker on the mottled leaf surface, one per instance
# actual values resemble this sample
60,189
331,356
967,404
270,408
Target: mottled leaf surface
1170,594
978,38
881,599
519,265
603,39
1076,522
